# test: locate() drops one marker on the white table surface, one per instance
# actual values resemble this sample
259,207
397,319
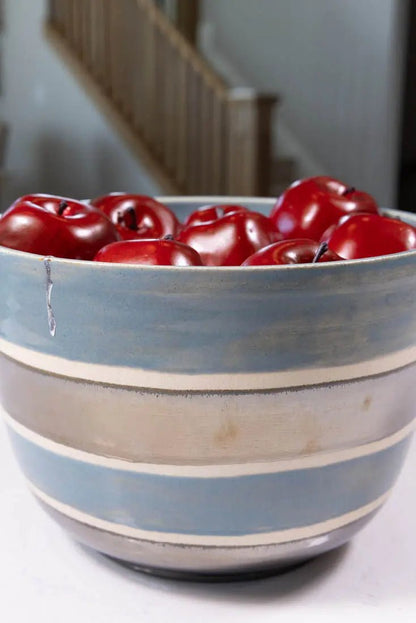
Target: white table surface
46,576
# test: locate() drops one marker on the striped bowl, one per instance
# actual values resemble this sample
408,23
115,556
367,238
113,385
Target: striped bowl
209,422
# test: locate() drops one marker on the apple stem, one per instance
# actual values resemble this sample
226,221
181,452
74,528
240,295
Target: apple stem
349,191
62,207
168,237
132,221
323,248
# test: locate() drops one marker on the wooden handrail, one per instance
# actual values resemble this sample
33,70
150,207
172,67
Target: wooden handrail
205,137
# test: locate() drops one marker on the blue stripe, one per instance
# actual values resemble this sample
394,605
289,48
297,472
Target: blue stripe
200,321
229,506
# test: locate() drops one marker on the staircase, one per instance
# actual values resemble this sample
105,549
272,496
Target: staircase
195,133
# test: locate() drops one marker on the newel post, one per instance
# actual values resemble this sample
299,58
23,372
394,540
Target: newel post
249,142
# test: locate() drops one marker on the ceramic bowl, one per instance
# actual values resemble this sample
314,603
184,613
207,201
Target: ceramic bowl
209,422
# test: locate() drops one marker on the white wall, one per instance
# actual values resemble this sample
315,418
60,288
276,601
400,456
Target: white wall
337,65
59,143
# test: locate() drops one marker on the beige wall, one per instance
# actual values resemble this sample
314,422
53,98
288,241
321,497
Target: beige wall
337,65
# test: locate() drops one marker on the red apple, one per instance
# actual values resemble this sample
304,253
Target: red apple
230,239
58,226
370,235
210,213
296,251
165,252
137,216
308,207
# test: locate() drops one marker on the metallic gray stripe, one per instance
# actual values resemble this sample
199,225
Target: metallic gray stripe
190,560
188,428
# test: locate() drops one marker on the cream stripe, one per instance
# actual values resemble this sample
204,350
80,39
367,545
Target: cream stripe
268,538
137,377
217,470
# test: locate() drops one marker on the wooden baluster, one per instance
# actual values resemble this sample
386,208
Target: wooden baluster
112,50
60,15
86,39
242,147
77,26
99,34
130,70
167,102
219,150
206,139
266,105
248,153
119,54
193,168
58,18
149,80
67,20
139,55
83,26
159,95
120,41
71,22
241,153
172,106
144,90
132,62
92,30
190,161
108,44
53,12
181,161
95,6
167,106
199,131
75,22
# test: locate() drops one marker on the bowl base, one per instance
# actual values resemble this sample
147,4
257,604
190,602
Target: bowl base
202,563
194,576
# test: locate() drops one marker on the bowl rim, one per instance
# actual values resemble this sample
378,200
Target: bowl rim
210,199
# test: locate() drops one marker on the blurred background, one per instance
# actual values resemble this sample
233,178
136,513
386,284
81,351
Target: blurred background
207,96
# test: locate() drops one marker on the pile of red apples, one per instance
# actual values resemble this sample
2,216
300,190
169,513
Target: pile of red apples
319,219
